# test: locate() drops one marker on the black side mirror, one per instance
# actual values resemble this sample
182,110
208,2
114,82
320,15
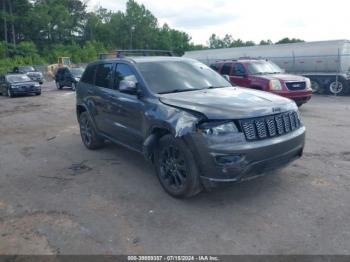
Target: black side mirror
129,87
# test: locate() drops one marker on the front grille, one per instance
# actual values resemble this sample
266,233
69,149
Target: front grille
270,126
296,85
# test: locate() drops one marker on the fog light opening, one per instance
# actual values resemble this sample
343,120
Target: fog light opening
228,159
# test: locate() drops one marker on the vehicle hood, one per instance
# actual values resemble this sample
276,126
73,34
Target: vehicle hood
229,102
283,77
34,74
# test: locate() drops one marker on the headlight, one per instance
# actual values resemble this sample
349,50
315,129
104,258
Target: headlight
77,79
218,129
308,84
275,85
37,85
13,87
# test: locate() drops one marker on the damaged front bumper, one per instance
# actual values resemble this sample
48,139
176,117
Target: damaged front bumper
222,162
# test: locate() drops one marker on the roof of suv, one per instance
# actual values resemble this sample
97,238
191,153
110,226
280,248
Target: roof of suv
144,59
240,61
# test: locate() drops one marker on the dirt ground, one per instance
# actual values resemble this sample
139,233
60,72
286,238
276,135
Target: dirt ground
57,197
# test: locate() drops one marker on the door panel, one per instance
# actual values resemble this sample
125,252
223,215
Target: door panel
103,82
125,111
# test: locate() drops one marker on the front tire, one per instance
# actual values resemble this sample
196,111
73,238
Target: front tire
176,168
88,133
299,104
9,93
316,87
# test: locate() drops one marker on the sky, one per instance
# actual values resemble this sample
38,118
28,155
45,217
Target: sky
255,20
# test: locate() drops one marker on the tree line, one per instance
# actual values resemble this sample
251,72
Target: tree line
228,41
39,31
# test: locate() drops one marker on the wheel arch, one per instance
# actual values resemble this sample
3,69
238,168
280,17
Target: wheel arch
151,141
80,108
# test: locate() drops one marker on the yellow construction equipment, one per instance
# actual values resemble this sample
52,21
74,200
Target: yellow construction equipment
62,61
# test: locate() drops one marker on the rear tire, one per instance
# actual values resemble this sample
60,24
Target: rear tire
340,88
58,85
88,133
176,168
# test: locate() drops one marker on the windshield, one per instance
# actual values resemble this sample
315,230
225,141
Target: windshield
263,67
27,69
77,71
17,78
180,76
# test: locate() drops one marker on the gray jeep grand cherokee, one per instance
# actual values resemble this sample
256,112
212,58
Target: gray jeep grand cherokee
197,129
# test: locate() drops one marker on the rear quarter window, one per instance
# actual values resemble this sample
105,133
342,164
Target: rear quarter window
89,75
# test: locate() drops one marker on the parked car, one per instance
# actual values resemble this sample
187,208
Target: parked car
18,84
267,76
197,129
66,76
325,63
31,72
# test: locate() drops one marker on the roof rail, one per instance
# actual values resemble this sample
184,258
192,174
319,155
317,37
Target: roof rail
253,58
135,52
225,60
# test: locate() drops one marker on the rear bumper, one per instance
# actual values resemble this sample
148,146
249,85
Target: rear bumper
229,163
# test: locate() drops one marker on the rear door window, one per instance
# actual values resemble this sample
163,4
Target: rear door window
226,69
89,75
104,75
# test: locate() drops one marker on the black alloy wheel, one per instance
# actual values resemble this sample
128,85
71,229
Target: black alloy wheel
173,168
176,168
87,132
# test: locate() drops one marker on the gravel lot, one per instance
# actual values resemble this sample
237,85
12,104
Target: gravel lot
58,197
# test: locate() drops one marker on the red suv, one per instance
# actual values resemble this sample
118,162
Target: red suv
267,76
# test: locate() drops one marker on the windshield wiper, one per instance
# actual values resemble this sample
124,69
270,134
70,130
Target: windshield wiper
179,90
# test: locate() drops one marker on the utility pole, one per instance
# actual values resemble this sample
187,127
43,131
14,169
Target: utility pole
132,28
